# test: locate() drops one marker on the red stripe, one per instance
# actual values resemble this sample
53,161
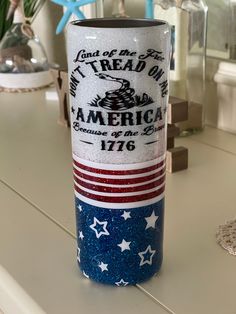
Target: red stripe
119,181
120,199
118,172
109,189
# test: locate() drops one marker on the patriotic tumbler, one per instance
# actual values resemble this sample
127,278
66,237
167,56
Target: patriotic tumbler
118,80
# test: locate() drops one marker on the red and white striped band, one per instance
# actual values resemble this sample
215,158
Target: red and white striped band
119,185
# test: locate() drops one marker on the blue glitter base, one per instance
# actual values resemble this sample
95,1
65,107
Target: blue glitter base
119,247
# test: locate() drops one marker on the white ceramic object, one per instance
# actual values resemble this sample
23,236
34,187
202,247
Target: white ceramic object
118,84
25,80
226,90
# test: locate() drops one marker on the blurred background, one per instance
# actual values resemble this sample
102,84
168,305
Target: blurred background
221,40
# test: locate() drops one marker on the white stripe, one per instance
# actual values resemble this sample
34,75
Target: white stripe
127,176
119,185
125,194
119,205
133,166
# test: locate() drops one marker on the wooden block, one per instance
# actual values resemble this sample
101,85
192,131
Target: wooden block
170,142
176,159
177,110
195,118
172,131
61,81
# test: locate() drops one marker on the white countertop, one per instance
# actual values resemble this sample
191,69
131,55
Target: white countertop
37,223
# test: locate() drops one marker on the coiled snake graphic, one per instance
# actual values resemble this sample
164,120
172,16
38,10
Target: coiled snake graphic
122,98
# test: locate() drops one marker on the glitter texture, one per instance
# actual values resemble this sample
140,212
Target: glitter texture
86,41
105,230
118,79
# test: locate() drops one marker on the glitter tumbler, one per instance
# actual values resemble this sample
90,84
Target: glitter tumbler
118,81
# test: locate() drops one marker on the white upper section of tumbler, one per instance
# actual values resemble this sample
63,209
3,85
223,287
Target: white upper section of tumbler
118,76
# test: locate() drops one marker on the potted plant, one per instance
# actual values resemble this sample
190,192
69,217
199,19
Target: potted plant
23,61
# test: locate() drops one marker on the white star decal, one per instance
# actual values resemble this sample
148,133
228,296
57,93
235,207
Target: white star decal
98,223
121,283
80,208
126,215
78,254
151,221
148,260
85,275
124,245
81,236
103,267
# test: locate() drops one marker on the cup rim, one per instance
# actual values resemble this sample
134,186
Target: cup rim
118,23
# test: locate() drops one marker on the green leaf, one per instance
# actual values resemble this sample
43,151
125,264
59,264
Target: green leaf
31,8
4,25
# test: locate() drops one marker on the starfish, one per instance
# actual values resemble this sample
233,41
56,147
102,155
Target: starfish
73,7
